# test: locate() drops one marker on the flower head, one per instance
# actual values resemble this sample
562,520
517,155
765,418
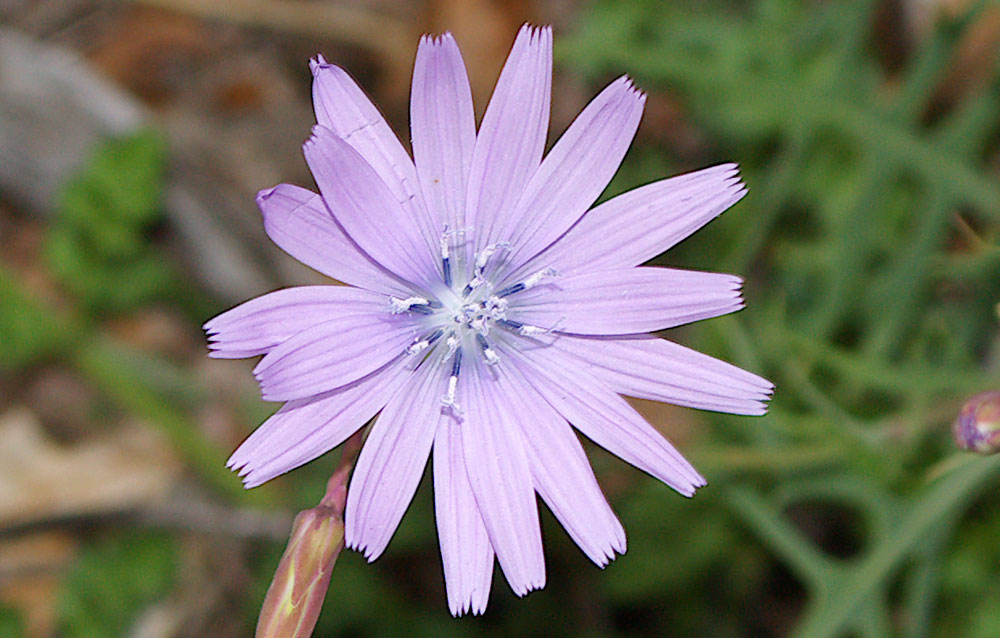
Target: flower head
488,311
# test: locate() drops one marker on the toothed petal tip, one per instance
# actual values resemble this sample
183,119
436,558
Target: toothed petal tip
318,63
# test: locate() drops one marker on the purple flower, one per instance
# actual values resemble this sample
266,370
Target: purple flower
486,312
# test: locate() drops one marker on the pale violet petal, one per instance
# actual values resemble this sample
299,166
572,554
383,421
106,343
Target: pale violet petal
651,368
298,221
443,129
254,327
392,461
466,552
342,107
563,476
575,171
367,211
333,354
636,226
604,417
303,430
627,300
500,476
512,134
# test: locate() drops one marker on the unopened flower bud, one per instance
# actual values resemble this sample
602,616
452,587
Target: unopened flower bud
977,427
296,594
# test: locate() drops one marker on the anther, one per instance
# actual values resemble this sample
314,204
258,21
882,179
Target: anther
449,400
482,259
423,344
524,329
398,306
530,282
492,358
545,273
446,257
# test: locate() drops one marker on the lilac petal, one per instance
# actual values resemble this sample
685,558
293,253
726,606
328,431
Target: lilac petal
651,368
576,170
564,478
627,301
466,552
298,221
333,354
364,207
303,430
604,417
342,107
642,223
393,460
501,476
512,135
254,327
443,128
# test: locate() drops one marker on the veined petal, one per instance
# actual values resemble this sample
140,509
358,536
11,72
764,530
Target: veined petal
604,417
651,368
443,128
342,107
563,476
392,461
333,354
576,170
466,552
501,477
367,210
512,135
303,430
628,300
254,327
642,223
298,221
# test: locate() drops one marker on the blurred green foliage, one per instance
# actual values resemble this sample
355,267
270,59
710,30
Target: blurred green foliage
112,581
869,243
29,328
11,623
98,245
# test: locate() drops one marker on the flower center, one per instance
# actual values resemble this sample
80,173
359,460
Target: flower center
462,321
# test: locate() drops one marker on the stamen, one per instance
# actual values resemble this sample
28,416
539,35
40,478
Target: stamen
524,329
545,273
510,290
422,309
446,257
511,324
398,306
528,331
477,281
482,259
492,358
445,246
484,256
449,399
530,282
423,344
452,343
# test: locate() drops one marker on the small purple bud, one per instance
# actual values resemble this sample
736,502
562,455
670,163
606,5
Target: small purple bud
977,427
